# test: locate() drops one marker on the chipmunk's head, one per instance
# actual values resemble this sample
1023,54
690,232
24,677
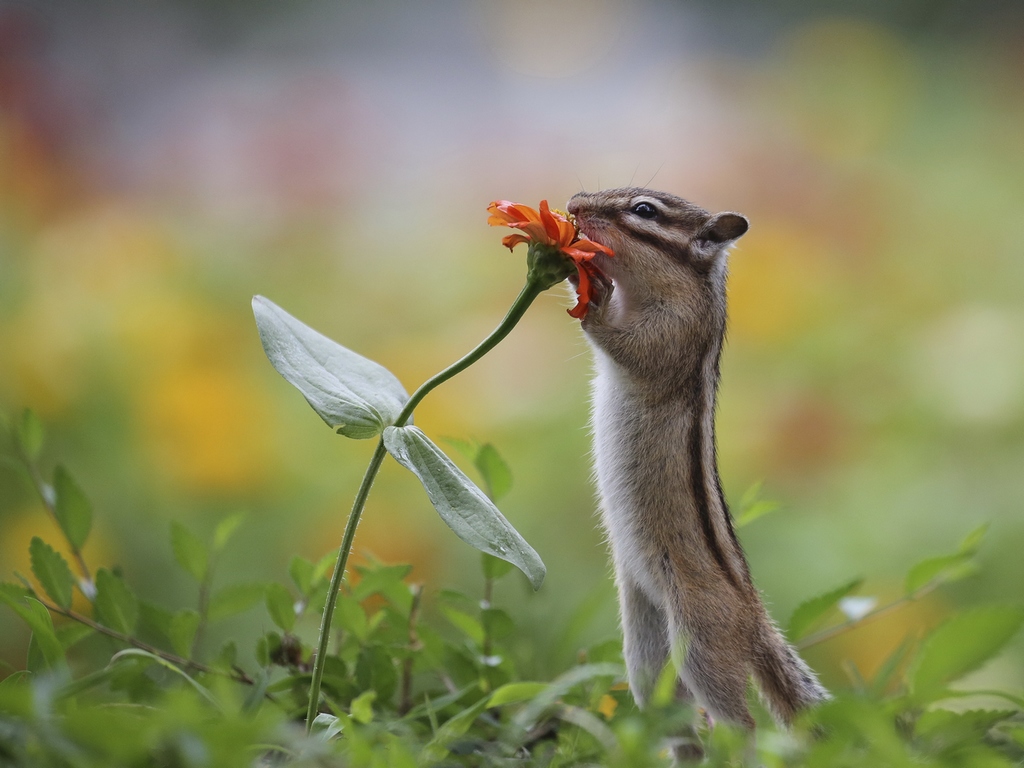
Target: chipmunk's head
666,248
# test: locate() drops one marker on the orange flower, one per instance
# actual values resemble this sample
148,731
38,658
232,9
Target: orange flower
552,229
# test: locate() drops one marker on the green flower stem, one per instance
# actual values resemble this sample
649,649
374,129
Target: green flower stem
531,291
339,571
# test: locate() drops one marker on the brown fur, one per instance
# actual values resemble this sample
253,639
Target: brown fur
657,325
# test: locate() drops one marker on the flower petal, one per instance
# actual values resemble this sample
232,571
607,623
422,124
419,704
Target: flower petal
550,223
585,249
583,292
511,241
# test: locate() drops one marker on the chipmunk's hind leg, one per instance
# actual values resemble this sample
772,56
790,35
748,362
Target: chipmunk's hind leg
645,648
716,672
644,639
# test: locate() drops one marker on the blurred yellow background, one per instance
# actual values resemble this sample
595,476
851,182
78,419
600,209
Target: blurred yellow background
160,163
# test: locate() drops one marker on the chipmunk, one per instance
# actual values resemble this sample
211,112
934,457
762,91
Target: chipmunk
656,324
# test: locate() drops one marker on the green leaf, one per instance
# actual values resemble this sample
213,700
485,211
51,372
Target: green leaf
189,551
375,669
281,606
226,529
351,617
497,623
810,611
495,472
362,707
34,613
182,632
942,568
386,580
235,599
464,507
30,435
154,617
972,541
962,645
561,686
751,507
493,567
72,508
52,571
352,394
446,736
466,624
754,511
145,657
513,693
116,605
945,568
301,570
951,728
72,633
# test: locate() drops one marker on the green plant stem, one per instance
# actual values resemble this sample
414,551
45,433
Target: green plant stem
515,313
235,674
530,291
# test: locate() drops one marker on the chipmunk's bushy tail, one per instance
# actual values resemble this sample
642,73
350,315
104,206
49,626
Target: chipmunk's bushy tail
786,683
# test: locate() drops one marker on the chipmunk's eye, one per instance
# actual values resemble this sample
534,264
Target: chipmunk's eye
645,210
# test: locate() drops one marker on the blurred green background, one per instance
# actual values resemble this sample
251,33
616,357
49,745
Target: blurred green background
162,162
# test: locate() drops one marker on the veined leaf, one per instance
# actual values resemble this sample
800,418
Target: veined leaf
38,619
351,393
280,606
52,571
809,611
943,568
495,472
72,508
438,747
116,605
234,599
183,631
30,435
493,567
301,570
226,529
962,645
466,624
464,507
189,551
513,693
561,686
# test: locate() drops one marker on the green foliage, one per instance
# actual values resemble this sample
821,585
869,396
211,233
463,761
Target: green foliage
116,605
417,677
962,645
72,508
810,612
751,507
52,571
189,551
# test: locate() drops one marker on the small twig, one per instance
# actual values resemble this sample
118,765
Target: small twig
488,645
846,626
235,674
405,702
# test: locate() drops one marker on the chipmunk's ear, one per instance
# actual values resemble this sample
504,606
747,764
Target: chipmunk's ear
723,227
